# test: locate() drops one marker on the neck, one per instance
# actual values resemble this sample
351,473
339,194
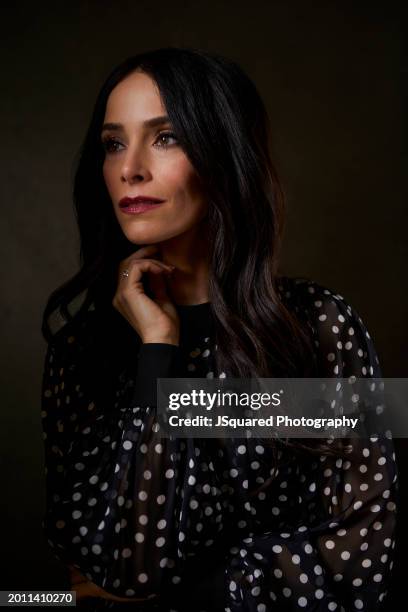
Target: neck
189,253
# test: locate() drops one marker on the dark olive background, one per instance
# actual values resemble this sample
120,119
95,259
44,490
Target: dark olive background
333,77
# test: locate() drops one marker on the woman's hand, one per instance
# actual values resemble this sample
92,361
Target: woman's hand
84,588
155,320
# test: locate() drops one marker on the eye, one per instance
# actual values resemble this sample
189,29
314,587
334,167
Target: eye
109,144
163,139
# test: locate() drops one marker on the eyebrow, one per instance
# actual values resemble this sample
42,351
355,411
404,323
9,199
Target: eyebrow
117,127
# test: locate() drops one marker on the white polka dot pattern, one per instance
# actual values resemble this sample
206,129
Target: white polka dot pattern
133,511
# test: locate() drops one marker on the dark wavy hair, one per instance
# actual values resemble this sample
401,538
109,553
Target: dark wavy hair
222,125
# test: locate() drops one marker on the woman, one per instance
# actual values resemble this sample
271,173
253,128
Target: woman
180,217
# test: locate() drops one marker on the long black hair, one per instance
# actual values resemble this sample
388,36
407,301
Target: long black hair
222,125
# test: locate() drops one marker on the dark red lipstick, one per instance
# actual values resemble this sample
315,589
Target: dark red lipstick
138,204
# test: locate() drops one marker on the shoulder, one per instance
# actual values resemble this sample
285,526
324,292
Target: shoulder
71,336
80,351
320,303
340,335
308,292
93,344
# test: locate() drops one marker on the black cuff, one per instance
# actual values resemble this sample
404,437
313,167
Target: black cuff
155,360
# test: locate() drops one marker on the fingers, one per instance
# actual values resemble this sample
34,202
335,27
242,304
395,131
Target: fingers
126,267
135,270
144,251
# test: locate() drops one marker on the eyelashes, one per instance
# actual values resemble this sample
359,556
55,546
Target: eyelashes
110,143
167,135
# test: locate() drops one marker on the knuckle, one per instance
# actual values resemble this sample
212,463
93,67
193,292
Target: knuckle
125,295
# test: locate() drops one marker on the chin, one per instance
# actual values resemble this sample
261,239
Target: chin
150,237
140,238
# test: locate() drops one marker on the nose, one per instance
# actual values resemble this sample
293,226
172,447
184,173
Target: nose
134,169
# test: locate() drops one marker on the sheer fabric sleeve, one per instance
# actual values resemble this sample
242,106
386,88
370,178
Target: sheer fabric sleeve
110,486
321,536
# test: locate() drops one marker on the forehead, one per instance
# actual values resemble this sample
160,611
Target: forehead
135,98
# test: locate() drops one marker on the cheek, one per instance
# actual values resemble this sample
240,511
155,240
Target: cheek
107,175
180,180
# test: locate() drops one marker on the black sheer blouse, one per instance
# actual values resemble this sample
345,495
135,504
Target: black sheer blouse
139,514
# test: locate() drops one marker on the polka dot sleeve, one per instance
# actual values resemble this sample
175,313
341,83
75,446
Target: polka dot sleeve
321,535
109,475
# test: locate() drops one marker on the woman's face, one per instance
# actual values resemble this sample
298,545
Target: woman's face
143,158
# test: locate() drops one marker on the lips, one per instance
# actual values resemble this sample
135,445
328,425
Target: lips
146,200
